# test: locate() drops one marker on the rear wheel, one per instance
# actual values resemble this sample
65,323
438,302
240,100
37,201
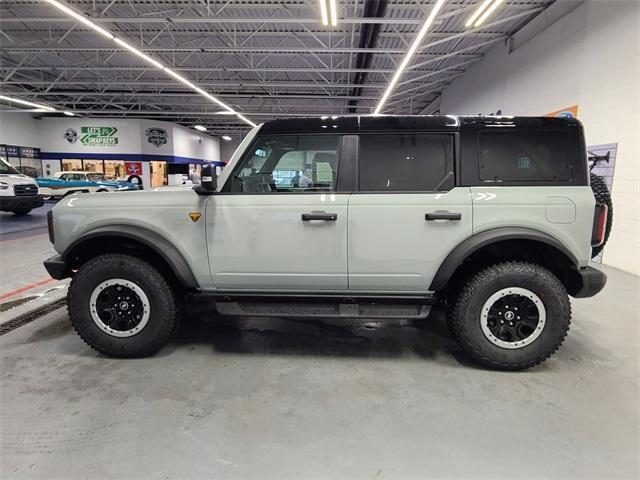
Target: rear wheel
511,316
122,306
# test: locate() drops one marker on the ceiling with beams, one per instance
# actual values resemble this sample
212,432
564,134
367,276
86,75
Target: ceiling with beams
266,59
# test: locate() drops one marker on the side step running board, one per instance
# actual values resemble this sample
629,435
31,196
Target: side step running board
344,310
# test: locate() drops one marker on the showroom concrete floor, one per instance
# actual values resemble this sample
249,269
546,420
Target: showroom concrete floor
273,398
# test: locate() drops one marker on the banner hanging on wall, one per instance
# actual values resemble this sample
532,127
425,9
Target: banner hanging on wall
604,157
133,168
568,112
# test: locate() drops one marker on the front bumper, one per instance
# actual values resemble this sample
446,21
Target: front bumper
593,281
57,267
7,204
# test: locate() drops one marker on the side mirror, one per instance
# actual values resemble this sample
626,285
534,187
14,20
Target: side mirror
208,181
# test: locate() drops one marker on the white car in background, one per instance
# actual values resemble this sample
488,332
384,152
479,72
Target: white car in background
18,192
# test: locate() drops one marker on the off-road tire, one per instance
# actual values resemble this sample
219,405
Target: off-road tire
602,195
21,211
165,305
465,316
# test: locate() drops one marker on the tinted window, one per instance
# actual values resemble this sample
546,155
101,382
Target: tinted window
420,162
289,163
525,156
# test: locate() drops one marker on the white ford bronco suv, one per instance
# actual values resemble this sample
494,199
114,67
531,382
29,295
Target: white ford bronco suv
373,216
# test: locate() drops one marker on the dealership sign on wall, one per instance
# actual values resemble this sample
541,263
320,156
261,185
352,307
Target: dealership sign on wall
93,136
157,136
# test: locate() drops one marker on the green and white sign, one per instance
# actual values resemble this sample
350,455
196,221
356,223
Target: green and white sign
98,136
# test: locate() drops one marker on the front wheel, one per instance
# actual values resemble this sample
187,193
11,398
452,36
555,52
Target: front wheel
511,316
122,306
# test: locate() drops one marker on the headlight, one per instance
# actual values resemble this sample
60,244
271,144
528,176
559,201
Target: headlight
4,185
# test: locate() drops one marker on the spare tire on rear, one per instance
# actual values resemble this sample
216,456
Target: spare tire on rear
601,192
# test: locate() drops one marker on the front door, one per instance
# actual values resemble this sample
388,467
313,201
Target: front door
279,223
407,215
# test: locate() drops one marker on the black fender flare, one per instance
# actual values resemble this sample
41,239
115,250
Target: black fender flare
455,258
152,240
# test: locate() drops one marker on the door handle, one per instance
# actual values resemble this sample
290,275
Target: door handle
442,216
327,217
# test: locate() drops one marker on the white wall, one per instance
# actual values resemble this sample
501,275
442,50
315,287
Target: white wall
20,129
189,143
590,58
48,135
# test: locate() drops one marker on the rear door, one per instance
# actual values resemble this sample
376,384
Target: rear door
407,214
280,222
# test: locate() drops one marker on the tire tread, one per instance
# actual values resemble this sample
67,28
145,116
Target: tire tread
459,325
171,315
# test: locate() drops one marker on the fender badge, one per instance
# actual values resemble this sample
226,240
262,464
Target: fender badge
195,216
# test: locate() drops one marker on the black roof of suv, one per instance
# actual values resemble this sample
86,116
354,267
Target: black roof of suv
373,123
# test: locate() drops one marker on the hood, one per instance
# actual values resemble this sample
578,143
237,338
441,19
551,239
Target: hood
17,178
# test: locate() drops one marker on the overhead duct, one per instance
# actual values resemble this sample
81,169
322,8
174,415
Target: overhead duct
368,39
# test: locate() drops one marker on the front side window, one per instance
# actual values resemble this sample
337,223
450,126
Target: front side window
525,156
409,163
288,163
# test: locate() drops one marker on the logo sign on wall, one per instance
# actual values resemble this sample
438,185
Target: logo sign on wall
98,136
157,136
12,150
29,152
70,135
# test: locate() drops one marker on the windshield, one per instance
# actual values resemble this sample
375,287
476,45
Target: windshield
95,177
6,168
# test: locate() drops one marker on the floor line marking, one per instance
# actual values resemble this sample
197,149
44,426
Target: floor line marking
31,286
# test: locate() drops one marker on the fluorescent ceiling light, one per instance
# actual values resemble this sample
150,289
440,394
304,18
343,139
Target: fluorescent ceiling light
145,57
138,53
81,18
477,13
333,13
180,78
330,13
245,119
27,104
226,138
487,12
410,53
69,114
200,128
323,12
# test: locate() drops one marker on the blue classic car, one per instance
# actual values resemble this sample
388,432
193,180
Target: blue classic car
66,183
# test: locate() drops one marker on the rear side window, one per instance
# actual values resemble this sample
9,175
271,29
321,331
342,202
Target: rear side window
409,163
527,156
